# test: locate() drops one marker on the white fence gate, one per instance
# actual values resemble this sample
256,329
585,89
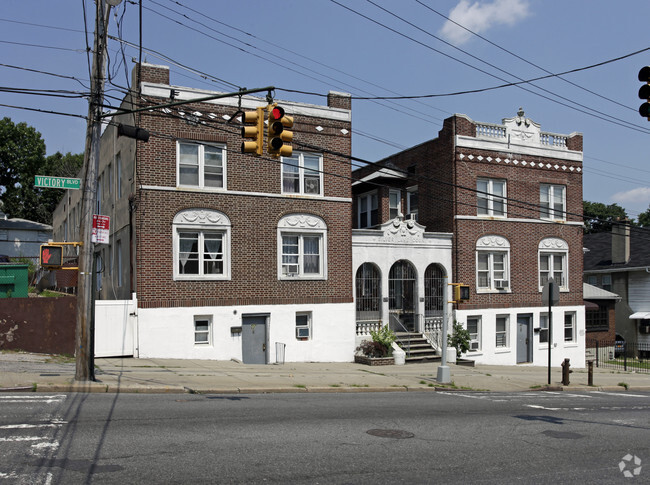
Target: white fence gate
115,328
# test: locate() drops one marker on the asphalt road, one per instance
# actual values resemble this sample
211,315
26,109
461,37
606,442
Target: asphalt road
429,437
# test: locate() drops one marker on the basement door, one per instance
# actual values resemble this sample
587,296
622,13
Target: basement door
524,339
253,342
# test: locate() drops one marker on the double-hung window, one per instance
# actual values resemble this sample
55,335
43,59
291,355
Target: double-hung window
502,324
395,203
543,326
368,210
553,262
302,247
201,165
201,245
202,330
302,174
303,325
491,197
569,326
474,329
552,201
492,264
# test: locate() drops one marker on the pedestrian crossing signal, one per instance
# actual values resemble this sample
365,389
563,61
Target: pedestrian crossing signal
51,256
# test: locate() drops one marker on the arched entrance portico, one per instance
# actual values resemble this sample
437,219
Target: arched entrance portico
402,297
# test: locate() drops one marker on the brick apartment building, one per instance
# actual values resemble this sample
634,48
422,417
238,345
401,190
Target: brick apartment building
511,195
229,255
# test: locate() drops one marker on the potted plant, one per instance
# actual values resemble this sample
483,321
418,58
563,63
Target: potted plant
379,350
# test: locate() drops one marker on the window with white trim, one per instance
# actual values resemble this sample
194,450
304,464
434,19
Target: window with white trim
569,326
552,201
543,326
302,174
201,245
302,247
395,203
201,165
492,264
553,262
202,330
303,325
367,210
474,329
502,326
491,197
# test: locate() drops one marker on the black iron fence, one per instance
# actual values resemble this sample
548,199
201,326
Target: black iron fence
618,354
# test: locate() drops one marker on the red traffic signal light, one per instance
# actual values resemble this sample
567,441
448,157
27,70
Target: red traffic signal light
279,136
255,131
644,92
51,256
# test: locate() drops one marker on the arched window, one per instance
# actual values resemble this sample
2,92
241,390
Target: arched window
368,293
201,245
492,264
553,262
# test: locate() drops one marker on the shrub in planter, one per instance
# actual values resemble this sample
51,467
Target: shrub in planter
373,349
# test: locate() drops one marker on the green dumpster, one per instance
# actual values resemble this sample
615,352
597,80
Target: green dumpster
13,280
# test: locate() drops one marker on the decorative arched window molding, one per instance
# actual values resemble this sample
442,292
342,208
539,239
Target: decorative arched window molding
553,261
492,264
302,247
201,239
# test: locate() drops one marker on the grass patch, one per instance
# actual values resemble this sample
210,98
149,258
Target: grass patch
624,385
335,385
359,385
538,386
300,386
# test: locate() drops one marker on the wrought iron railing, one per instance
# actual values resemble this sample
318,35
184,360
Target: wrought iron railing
620,355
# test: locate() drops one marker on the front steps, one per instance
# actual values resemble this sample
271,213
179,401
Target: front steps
417,348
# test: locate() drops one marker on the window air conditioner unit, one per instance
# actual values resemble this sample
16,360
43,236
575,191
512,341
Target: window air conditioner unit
501,284
473,346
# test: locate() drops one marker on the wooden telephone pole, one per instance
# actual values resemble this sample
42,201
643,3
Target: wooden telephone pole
84,349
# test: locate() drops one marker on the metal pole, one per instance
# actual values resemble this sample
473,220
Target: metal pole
85,294
444,374
550,327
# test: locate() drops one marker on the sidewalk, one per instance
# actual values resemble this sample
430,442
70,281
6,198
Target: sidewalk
44,373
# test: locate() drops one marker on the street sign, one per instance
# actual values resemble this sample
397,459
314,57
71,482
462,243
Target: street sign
553,293
101,226
56,182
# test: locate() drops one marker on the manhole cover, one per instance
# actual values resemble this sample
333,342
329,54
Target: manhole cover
563,435
390,433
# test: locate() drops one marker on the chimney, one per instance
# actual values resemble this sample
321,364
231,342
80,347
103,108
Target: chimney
621,242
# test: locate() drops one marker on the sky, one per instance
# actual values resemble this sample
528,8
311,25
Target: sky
370,49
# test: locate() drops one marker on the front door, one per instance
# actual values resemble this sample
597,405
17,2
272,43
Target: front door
253,340
524,338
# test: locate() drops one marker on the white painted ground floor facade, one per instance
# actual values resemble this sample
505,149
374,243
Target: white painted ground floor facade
511,336
263,334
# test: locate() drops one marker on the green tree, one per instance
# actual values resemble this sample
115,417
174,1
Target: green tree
22,153
599,217
22,156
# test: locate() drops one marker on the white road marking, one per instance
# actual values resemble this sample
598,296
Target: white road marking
619,394
28,426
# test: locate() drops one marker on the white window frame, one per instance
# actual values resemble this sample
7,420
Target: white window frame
304,331
543,326
203,332
488,194
547,201
491,246
302,173
202,221
504,334
571,327
371,199
392,208
412,192
551,248
474,337
201,165
302,226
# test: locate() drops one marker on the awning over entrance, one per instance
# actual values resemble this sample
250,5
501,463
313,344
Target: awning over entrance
641,316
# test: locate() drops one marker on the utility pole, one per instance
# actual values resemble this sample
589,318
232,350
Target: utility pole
85,294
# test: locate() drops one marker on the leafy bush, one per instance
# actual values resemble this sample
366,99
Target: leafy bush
459,339
381,345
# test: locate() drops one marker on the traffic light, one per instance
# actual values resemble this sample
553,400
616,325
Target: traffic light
255,131
644,92
51,256
461,292
279,136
